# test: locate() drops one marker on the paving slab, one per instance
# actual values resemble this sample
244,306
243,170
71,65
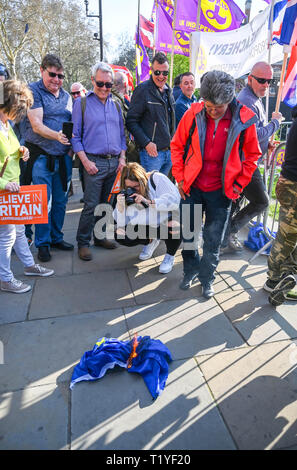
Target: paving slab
80,293
150,286
117,412
255,319
239,274
13,307
35,418
61,262
45,351
256,392
187,327
106,260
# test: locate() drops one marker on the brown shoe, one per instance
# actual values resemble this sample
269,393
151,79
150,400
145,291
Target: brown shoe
108,244
84,253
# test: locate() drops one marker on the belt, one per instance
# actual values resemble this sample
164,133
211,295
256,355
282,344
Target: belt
165,149
107,156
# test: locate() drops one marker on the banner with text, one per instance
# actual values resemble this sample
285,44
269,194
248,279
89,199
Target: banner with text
234,52
28,206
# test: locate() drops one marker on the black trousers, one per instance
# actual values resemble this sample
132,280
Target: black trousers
255,192
172,244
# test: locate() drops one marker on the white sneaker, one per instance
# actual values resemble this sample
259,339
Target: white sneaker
148,250
37,270
167,264
15,286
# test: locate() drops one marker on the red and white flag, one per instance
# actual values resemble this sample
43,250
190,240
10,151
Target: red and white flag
146,28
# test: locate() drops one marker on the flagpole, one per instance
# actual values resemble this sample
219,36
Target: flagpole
137,47
198,15
269,49
173,38
155,27
287,49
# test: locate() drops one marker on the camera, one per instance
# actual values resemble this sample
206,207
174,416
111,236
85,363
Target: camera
128,197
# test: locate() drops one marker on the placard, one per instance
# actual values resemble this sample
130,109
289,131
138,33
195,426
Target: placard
28,206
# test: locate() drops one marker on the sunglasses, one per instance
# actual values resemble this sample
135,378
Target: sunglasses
101,84
54,75
262,80
75,93
165,73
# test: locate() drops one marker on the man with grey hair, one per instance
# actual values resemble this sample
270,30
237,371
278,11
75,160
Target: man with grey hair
207,165
99,141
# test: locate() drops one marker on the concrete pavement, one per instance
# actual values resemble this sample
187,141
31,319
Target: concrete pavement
232,384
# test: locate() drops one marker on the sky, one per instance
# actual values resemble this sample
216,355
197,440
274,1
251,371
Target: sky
120,16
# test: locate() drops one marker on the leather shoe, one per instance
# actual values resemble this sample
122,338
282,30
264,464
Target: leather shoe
64,246
44,254
207,291
108,244
84,253
187,281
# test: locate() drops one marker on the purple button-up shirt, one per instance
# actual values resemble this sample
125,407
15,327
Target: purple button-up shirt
103,131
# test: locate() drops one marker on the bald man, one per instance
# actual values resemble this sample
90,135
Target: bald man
77,90
257,87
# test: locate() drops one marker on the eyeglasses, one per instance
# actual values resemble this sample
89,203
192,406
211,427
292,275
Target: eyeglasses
54,75
74,93
101,84
165,73
262,80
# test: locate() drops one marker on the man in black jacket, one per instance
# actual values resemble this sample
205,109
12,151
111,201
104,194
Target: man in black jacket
151,117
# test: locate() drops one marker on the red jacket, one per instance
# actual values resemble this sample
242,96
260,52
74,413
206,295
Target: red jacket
236,170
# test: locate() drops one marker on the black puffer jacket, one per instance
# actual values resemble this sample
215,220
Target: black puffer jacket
147,117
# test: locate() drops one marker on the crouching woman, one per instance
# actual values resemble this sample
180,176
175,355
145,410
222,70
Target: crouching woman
144,213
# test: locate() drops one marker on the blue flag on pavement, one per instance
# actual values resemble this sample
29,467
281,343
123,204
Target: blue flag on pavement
151,361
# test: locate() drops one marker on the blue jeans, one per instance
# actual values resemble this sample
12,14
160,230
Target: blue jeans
45,234
216,208
161,163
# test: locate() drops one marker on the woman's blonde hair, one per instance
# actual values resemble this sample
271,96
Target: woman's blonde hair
135,172
17,99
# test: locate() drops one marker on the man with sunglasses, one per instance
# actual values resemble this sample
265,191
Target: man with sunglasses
50,162
151,117
100,143
77,90
257,87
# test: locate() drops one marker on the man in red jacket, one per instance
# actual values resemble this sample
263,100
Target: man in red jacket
219,163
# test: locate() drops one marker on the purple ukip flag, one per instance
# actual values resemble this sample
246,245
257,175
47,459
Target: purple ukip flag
142,60
164,34
216,15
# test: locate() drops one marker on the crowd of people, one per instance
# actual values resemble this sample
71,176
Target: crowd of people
184,164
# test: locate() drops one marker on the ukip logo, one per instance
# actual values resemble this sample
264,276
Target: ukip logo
183,38
217,13
201,62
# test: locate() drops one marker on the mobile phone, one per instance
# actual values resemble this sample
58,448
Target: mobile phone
67,129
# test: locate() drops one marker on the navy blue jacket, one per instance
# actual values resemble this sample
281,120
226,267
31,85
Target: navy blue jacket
147,118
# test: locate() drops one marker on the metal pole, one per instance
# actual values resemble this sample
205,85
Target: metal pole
173,39
100,30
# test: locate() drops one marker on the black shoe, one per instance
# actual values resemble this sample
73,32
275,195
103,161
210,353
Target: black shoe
63,246
44,254
187,281
207,291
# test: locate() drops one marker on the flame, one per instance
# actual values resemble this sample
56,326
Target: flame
133,352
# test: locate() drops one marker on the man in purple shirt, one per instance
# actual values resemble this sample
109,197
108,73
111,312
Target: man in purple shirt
99,141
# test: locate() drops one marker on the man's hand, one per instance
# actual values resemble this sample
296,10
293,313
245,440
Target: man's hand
12,187
236,190
278,116
122,163
25,153
181,191
151,149
62,138
90,167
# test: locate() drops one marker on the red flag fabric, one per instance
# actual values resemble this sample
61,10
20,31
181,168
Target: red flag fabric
147,32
